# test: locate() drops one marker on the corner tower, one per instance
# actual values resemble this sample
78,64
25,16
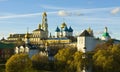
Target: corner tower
85,42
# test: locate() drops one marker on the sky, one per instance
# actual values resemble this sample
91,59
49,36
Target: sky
18,15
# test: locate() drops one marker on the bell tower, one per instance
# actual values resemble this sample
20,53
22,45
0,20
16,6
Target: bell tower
45,24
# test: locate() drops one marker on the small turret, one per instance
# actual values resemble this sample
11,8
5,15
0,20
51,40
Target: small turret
39,27
90,31
106,30
27,38
105,35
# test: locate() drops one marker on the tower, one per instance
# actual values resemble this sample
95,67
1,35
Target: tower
27,38
63,25
45,24
70,31
105,35
85,42
65,31
57,32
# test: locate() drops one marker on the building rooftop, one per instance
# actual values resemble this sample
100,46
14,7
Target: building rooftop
85,33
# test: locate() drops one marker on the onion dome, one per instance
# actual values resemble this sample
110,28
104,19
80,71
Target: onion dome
70,29
57,30
106,34
65,29
89,30
63,25
44,14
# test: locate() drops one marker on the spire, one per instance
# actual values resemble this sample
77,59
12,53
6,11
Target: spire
90,31
106,30
27,34
27,41
50,35
39,26
44,14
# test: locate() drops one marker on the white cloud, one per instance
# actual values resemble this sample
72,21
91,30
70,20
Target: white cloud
69,13
22,15
115,10
19,15
63,13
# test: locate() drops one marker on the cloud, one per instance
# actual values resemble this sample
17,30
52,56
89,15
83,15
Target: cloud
69,13
23,15
63,13
115,10
19,15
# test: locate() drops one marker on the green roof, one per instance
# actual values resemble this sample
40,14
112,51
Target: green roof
106,34
7,45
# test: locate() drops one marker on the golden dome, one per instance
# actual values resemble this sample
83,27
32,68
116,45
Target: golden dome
63,25
89,30
27,35
44,14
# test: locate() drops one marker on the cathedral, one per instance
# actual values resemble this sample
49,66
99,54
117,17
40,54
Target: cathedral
64,31
39,35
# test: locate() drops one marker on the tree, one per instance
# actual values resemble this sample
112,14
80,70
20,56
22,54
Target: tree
62,57
107,60
18,63
40,62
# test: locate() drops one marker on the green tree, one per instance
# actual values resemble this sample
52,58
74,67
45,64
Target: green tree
62,57
107,60
18,63
40,62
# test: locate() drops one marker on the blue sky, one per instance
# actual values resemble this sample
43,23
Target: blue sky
17,15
